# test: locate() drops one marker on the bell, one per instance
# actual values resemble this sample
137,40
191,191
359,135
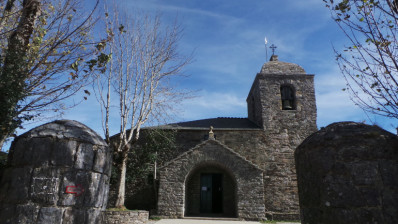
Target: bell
287,105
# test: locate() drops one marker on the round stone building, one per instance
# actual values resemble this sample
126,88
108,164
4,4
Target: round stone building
347,173
57,173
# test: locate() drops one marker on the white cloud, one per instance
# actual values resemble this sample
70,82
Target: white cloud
158,5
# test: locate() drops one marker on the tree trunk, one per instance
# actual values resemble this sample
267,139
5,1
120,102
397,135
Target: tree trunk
121,180
155,190
14,71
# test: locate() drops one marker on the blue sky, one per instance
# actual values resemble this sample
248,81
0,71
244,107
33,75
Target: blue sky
227,38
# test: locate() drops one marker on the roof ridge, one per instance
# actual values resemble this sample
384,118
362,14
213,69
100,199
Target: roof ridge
218,123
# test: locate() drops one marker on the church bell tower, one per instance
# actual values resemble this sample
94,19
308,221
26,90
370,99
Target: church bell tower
282,102
282,99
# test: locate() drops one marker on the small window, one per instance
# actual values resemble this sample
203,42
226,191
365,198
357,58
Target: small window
287,95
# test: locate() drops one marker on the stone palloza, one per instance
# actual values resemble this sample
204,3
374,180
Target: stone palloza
58,173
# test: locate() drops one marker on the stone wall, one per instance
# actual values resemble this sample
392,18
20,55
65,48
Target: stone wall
125,217
273,155
347,173
280,189
57,173
248,178
268,112
283,130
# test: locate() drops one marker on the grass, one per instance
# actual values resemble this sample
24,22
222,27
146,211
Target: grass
154,218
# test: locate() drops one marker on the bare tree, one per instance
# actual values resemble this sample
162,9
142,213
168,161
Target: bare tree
140,76
43,45
370,62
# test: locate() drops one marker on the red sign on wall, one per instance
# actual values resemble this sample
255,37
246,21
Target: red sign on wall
77,190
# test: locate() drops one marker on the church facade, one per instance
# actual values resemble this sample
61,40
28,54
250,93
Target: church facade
243,167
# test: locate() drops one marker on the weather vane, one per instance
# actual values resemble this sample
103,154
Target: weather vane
266,49
273,47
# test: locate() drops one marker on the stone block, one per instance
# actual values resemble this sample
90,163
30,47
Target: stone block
45,184
103,160
84,157
92,185
15,185
390,202
337,191
34,152
370,215
388,171
71,180
106,193
93,215
63,153
50,215
76,130
26,213
125,217
20,152
7,213
74,216
390,213
93,195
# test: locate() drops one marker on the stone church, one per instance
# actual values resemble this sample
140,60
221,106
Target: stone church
243,167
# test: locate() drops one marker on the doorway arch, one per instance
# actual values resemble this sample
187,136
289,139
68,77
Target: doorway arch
247,181
210,190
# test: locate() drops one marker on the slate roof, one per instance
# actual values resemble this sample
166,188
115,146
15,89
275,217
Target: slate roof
217,123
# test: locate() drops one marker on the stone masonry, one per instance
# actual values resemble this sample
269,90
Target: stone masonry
248,177
280,189
347,173
57,173
267,138
284,130
125,217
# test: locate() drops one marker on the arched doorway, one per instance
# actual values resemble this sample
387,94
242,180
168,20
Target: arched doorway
210,190
242,183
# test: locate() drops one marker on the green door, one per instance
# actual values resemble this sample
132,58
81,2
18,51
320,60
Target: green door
206,195
217,197
211,193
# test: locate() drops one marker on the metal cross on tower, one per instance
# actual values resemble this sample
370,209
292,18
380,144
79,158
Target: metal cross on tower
273,47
